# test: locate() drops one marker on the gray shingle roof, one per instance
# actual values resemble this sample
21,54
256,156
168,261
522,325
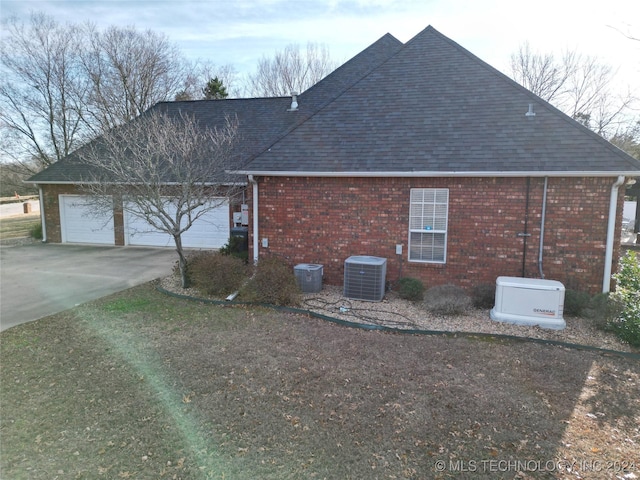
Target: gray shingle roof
434,108
427,107
261,121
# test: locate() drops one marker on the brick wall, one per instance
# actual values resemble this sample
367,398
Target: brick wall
326,220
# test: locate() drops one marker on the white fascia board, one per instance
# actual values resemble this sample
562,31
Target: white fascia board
67,182
536,173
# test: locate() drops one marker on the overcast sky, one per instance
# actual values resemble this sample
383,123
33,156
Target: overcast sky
239,32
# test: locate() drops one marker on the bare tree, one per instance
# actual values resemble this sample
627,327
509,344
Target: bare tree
629,140
200,73
578,85
43,92
130,71
290,71
167,170
64,84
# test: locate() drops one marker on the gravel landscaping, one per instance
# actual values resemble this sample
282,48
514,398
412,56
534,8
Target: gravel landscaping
395,312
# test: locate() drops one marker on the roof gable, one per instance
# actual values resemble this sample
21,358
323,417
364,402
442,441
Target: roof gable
433,108
262,121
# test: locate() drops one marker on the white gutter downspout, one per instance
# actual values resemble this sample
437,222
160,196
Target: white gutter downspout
255,217
611,230
544,214
42,221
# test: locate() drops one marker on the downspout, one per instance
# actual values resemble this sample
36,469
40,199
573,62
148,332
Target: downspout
542,219
526,229
611,230
255,217
42,220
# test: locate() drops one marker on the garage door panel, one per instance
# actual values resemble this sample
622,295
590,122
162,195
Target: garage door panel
79,223
211,230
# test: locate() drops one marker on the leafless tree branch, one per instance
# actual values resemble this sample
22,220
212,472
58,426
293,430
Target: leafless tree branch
290,71
167,170
578,85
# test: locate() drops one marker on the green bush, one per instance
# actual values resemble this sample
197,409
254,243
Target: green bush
214,274
603,310
484,295
627,324
411,289
576,302
273,282
235,247
446,300
36,231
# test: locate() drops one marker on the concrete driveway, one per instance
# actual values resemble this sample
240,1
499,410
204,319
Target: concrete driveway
37,280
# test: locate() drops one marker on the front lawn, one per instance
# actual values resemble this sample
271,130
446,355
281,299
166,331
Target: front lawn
18,226
142,385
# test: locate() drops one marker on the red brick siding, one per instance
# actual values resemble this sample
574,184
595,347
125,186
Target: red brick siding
326,220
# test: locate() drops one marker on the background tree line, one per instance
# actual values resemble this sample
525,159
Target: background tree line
66,84
582,87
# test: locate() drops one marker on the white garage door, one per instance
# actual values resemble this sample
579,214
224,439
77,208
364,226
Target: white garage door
80,224
209,231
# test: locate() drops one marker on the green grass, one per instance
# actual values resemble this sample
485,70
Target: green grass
19,226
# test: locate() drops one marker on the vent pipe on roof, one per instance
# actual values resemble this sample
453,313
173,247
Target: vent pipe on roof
294,102
530,113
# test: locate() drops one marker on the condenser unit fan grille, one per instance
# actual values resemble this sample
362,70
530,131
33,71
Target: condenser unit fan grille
364,278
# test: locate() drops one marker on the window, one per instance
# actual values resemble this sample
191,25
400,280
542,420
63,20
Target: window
428,212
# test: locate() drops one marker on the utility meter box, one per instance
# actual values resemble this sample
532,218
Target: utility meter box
529,301
309,277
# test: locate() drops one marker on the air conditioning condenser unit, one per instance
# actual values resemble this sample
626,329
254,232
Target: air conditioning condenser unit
529,301
365,277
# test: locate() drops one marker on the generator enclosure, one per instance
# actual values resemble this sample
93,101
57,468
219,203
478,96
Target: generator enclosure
529,301
309,277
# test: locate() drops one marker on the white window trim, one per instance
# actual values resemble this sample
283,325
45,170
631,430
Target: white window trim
445,232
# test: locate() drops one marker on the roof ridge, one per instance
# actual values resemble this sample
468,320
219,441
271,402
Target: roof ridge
328,102
555,110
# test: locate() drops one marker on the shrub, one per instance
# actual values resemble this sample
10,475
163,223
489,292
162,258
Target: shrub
576,302
484,295
603,310
411,289
273,282
446,300
627,324
235,247
36,231
214,274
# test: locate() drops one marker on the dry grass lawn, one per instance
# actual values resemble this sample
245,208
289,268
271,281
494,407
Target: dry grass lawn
18,226
141,385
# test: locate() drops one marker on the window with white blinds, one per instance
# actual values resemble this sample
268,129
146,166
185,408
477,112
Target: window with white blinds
428,217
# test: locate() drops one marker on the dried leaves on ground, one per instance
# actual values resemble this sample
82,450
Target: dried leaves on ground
143,385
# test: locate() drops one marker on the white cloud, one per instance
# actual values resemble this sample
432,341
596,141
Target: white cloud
240,32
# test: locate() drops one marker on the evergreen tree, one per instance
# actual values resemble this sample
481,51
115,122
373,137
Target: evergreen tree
214,90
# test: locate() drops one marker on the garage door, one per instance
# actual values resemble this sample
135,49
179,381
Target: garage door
80,224
209,231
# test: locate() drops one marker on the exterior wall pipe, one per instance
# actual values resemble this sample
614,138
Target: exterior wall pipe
542,219
611,230
42,220
255,217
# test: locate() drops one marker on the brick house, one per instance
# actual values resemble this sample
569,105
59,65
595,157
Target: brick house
423,154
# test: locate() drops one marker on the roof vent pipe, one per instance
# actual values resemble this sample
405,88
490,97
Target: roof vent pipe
530,113
294,102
